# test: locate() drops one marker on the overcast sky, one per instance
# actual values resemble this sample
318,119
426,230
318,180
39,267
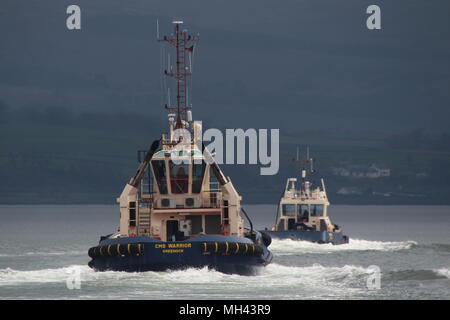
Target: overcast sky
288,64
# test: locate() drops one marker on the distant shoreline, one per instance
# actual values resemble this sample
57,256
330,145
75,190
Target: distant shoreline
380,203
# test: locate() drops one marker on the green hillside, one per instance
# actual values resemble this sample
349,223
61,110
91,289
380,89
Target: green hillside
87,159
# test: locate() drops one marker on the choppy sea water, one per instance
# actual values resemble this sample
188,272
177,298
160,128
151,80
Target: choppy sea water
41,247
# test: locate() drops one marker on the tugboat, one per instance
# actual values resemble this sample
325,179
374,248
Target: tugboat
302,213
179,210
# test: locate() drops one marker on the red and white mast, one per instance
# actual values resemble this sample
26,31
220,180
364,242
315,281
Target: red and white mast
184,45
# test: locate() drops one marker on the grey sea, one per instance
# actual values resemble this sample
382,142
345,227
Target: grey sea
43,246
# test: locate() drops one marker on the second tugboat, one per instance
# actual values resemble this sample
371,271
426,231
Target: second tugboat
302,213
179,210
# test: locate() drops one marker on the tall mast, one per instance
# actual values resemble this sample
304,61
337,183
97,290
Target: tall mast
184,45
303,164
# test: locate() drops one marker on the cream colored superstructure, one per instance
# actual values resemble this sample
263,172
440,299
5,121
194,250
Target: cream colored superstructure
304,208
187,194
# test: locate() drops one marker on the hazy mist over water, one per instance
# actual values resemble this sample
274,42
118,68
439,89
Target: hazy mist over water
410,244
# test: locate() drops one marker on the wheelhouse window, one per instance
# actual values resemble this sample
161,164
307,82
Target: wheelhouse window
179,177
317,210
159,170
302,211
289,210
198,171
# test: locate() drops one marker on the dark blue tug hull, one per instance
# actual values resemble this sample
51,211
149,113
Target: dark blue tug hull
138,254
312,236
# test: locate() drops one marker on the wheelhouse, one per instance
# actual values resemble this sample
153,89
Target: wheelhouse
181,196
303,209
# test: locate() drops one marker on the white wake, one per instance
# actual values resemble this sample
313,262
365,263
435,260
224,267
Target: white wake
288,246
